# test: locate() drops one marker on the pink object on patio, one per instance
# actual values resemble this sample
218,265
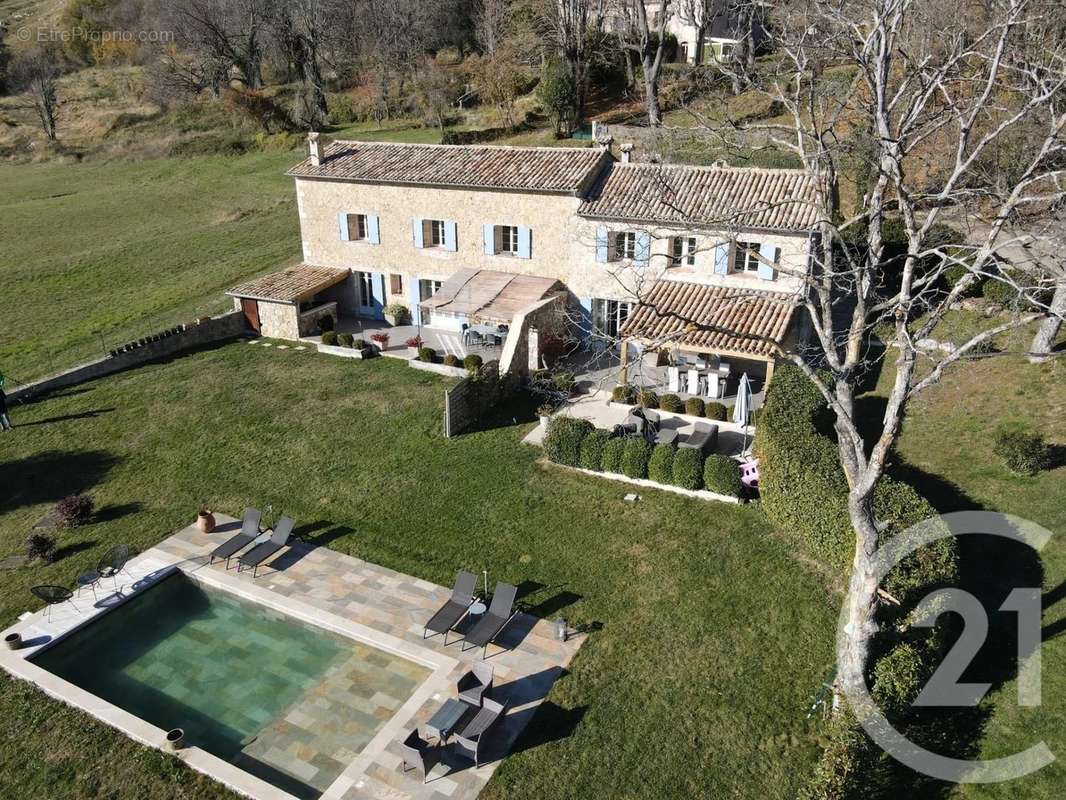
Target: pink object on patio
749,473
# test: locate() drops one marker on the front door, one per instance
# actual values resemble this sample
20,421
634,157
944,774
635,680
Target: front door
250,308
370,287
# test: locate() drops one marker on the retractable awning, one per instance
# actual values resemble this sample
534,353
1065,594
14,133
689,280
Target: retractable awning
488,294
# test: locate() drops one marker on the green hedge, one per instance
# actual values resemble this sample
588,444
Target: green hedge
646,398
592,449
329,338
694,407
661,464
715,410
1022,453
635,457
721,475
670,402
563,439
688,468
611,457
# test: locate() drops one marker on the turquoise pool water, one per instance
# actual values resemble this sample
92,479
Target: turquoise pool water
287,701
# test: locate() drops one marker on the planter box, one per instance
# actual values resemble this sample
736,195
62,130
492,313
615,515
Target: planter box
440,369
345,352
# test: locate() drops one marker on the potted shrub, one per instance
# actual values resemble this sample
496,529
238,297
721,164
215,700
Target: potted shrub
397,314
427,354
414,344
452,360
205,521
544,411
380,339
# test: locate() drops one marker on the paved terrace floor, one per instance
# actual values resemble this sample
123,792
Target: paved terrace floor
597,409
378,606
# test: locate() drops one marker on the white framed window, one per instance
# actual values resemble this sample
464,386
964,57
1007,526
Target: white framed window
746,257
608,316
358,230
506,239
427,287
625,245
683,251
433,232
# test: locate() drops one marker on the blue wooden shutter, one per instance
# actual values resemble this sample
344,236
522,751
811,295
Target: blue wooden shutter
601,245
721,259
414,299
490,240
767,258
524,242
642,251
373,230
416,232
342,223
585,321
449,236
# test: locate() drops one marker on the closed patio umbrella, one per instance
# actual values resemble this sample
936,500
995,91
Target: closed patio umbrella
742,407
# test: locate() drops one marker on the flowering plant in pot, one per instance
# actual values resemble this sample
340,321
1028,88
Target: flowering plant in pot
544,411
381,340
414,344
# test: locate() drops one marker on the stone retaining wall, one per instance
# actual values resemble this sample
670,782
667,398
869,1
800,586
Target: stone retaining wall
212,330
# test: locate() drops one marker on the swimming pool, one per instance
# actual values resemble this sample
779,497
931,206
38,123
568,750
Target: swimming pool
284,700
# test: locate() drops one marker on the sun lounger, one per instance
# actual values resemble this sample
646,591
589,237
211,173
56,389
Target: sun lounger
261,552
249,533
449,614
495,620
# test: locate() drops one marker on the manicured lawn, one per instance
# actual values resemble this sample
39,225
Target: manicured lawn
709,642
946,450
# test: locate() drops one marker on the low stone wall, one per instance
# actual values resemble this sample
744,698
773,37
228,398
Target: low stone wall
307,322
461,409
216,329
346,352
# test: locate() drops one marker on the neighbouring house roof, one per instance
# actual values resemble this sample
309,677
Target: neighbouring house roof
541,169
290,285
489,294
719,197
711,319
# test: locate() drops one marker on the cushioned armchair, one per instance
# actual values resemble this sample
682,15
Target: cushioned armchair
474,684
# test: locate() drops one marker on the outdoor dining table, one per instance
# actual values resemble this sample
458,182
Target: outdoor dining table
446,719
484,331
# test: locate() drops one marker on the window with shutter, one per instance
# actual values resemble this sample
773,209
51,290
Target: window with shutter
746,257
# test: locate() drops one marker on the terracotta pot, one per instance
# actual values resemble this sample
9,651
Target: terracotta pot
205,522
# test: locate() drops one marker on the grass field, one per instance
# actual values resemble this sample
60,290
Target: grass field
710,639
946,451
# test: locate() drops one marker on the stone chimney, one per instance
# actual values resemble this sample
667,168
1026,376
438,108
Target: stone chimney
316,147
626,150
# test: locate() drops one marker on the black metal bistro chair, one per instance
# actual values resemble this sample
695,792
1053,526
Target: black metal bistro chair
53,596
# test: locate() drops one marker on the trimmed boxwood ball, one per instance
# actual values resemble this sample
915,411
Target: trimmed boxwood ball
472,362
427,354
635,458
714,411
345,339
1022,453
451,360
694,407
661,463
611,457
359,344
562,441
624,393
592,449
688,468
721,475
646,398
329,338
670,402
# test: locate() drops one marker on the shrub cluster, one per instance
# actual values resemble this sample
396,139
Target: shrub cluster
472,362
721,475
40,546
427,354
635,457
661,464
611,457
329,338
359,344
646,398
1022,453
688,468
345,339
715,410
563,439
452,360
694,407
592,449
670,402
75,510
624,393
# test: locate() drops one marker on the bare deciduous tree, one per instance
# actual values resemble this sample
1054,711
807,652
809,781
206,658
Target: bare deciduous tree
35,72
645,38
492,24
571,28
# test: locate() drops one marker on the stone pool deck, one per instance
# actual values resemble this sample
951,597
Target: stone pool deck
373,605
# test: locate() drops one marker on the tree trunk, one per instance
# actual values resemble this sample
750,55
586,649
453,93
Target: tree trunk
853,643
1044,340
651,93
698,55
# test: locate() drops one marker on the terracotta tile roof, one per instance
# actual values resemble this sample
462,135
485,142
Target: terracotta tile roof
291,284
775,199
489,294
542,169
711,318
